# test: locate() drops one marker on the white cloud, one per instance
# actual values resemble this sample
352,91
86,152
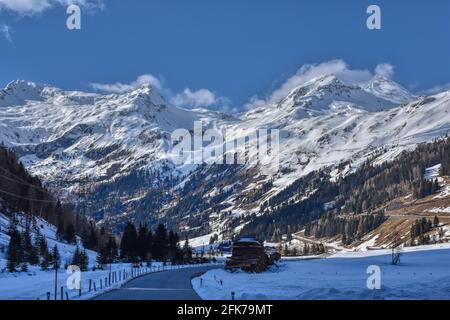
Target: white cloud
187,98
385,70
310,71
6,31
32,7
199,98
119,87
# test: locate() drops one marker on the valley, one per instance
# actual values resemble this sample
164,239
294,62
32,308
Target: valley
108,156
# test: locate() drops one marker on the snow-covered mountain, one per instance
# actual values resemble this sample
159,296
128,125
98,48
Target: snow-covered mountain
68,136
389,90
110,151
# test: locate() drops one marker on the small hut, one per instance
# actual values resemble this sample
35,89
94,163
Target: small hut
249,255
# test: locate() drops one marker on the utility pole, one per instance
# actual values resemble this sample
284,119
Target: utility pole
56,281
110,264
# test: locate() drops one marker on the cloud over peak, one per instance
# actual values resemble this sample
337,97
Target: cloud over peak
309,72
119,87
187,98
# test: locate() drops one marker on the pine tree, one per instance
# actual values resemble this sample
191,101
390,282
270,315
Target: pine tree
84,261
46,260
76,257
33,257
80,259
445,164
60,230
187,251
27,245
436,221
143,242
173,250
112,249
14,250
160,248
69,234
128,244
90,239
42,245
102,257
55,258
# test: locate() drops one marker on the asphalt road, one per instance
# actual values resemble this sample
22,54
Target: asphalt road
166,285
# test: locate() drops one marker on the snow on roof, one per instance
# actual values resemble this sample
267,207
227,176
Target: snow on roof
252,240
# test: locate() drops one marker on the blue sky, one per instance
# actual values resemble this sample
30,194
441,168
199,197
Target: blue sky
232,49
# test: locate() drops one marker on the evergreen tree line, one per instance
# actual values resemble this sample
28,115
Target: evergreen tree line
23,250
445,164
359,192
423,188
80,259
138,245
307,250
350,228
420,228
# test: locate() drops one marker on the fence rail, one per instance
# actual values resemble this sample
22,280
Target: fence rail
115,279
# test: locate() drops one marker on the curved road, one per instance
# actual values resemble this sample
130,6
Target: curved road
166,285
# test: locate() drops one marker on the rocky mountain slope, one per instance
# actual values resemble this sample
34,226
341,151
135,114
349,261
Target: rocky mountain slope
109,155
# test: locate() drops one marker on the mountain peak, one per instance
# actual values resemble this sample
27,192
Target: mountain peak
322,85
324,81
389,90
19,91
23,85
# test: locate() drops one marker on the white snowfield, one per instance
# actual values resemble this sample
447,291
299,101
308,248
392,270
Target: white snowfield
424,273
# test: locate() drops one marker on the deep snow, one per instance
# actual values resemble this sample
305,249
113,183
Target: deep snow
424,273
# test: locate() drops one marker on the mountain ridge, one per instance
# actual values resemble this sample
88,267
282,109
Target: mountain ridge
117,145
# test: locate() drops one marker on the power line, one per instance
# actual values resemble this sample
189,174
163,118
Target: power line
23,183
26,198
21,179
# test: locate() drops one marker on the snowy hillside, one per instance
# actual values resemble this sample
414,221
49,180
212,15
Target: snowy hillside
45,229
322,124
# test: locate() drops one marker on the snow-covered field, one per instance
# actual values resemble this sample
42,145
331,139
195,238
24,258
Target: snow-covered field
424,273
